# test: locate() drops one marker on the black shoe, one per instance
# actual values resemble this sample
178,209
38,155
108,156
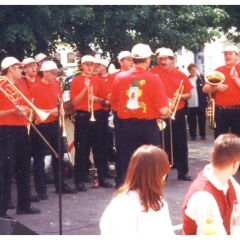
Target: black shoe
80,187
185,177
104,183
66,190
193,138
109,176
48,180
34,198
5,216
10,205
43,196
203,138
30,210
87,179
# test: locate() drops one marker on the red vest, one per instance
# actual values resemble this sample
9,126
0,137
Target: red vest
225,203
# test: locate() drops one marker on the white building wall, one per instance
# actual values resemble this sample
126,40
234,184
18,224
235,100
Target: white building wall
213,53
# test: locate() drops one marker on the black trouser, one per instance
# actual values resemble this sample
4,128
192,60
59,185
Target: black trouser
40,150
130,135
196,114
117,131
15,157
88,134
179,142
108,141
227,120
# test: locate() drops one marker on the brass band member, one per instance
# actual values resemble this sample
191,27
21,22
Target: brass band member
172,78
140,98
88,133
46,93
15,150
125,62
227,100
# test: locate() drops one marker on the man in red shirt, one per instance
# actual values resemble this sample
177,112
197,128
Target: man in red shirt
29,71
46,94
172,79
226,95
141,99
89,125
108,135
15,153
125,62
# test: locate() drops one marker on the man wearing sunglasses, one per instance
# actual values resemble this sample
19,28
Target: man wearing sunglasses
15,155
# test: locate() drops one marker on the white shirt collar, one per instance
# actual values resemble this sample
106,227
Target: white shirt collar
208,172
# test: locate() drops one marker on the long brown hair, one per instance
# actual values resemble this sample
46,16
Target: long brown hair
146,171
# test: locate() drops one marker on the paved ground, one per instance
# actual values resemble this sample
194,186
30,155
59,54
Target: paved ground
81,212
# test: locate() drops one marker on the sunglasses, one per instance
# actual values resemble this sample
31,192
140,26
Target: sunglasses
19,67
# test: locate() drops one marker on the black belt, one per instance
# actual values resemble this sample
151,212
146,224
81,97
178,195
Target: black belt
86,113
48,123
228,107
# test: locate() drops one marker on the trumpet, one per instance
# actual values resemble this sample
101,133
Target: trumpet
90,102
14,95
210,112
176,100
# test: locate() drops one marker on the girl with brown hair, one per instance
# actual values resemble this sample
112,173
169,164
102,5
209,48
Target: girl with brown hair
138,207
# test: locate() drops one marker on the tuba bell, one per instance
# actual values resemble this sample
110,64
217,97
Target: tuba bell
214,78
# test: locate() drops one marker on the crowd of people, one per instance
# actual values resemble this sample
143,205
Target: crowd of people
138,95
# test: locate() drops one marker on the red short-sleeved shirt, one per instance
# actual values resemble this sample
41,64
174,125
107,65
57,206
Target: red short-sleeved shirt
46,97
6,104
77,86
230,97
138,94
28,83
172,80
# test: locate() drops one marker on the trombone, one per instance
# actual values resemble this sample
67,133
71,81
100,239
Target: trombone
62,121
14,95
30,118
90,103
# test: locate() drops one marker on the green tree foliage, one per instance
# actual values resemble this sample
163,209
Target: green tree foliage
231,21
27,30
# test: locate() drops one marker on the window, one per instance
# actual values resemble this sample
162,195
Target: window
57,55
71,57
